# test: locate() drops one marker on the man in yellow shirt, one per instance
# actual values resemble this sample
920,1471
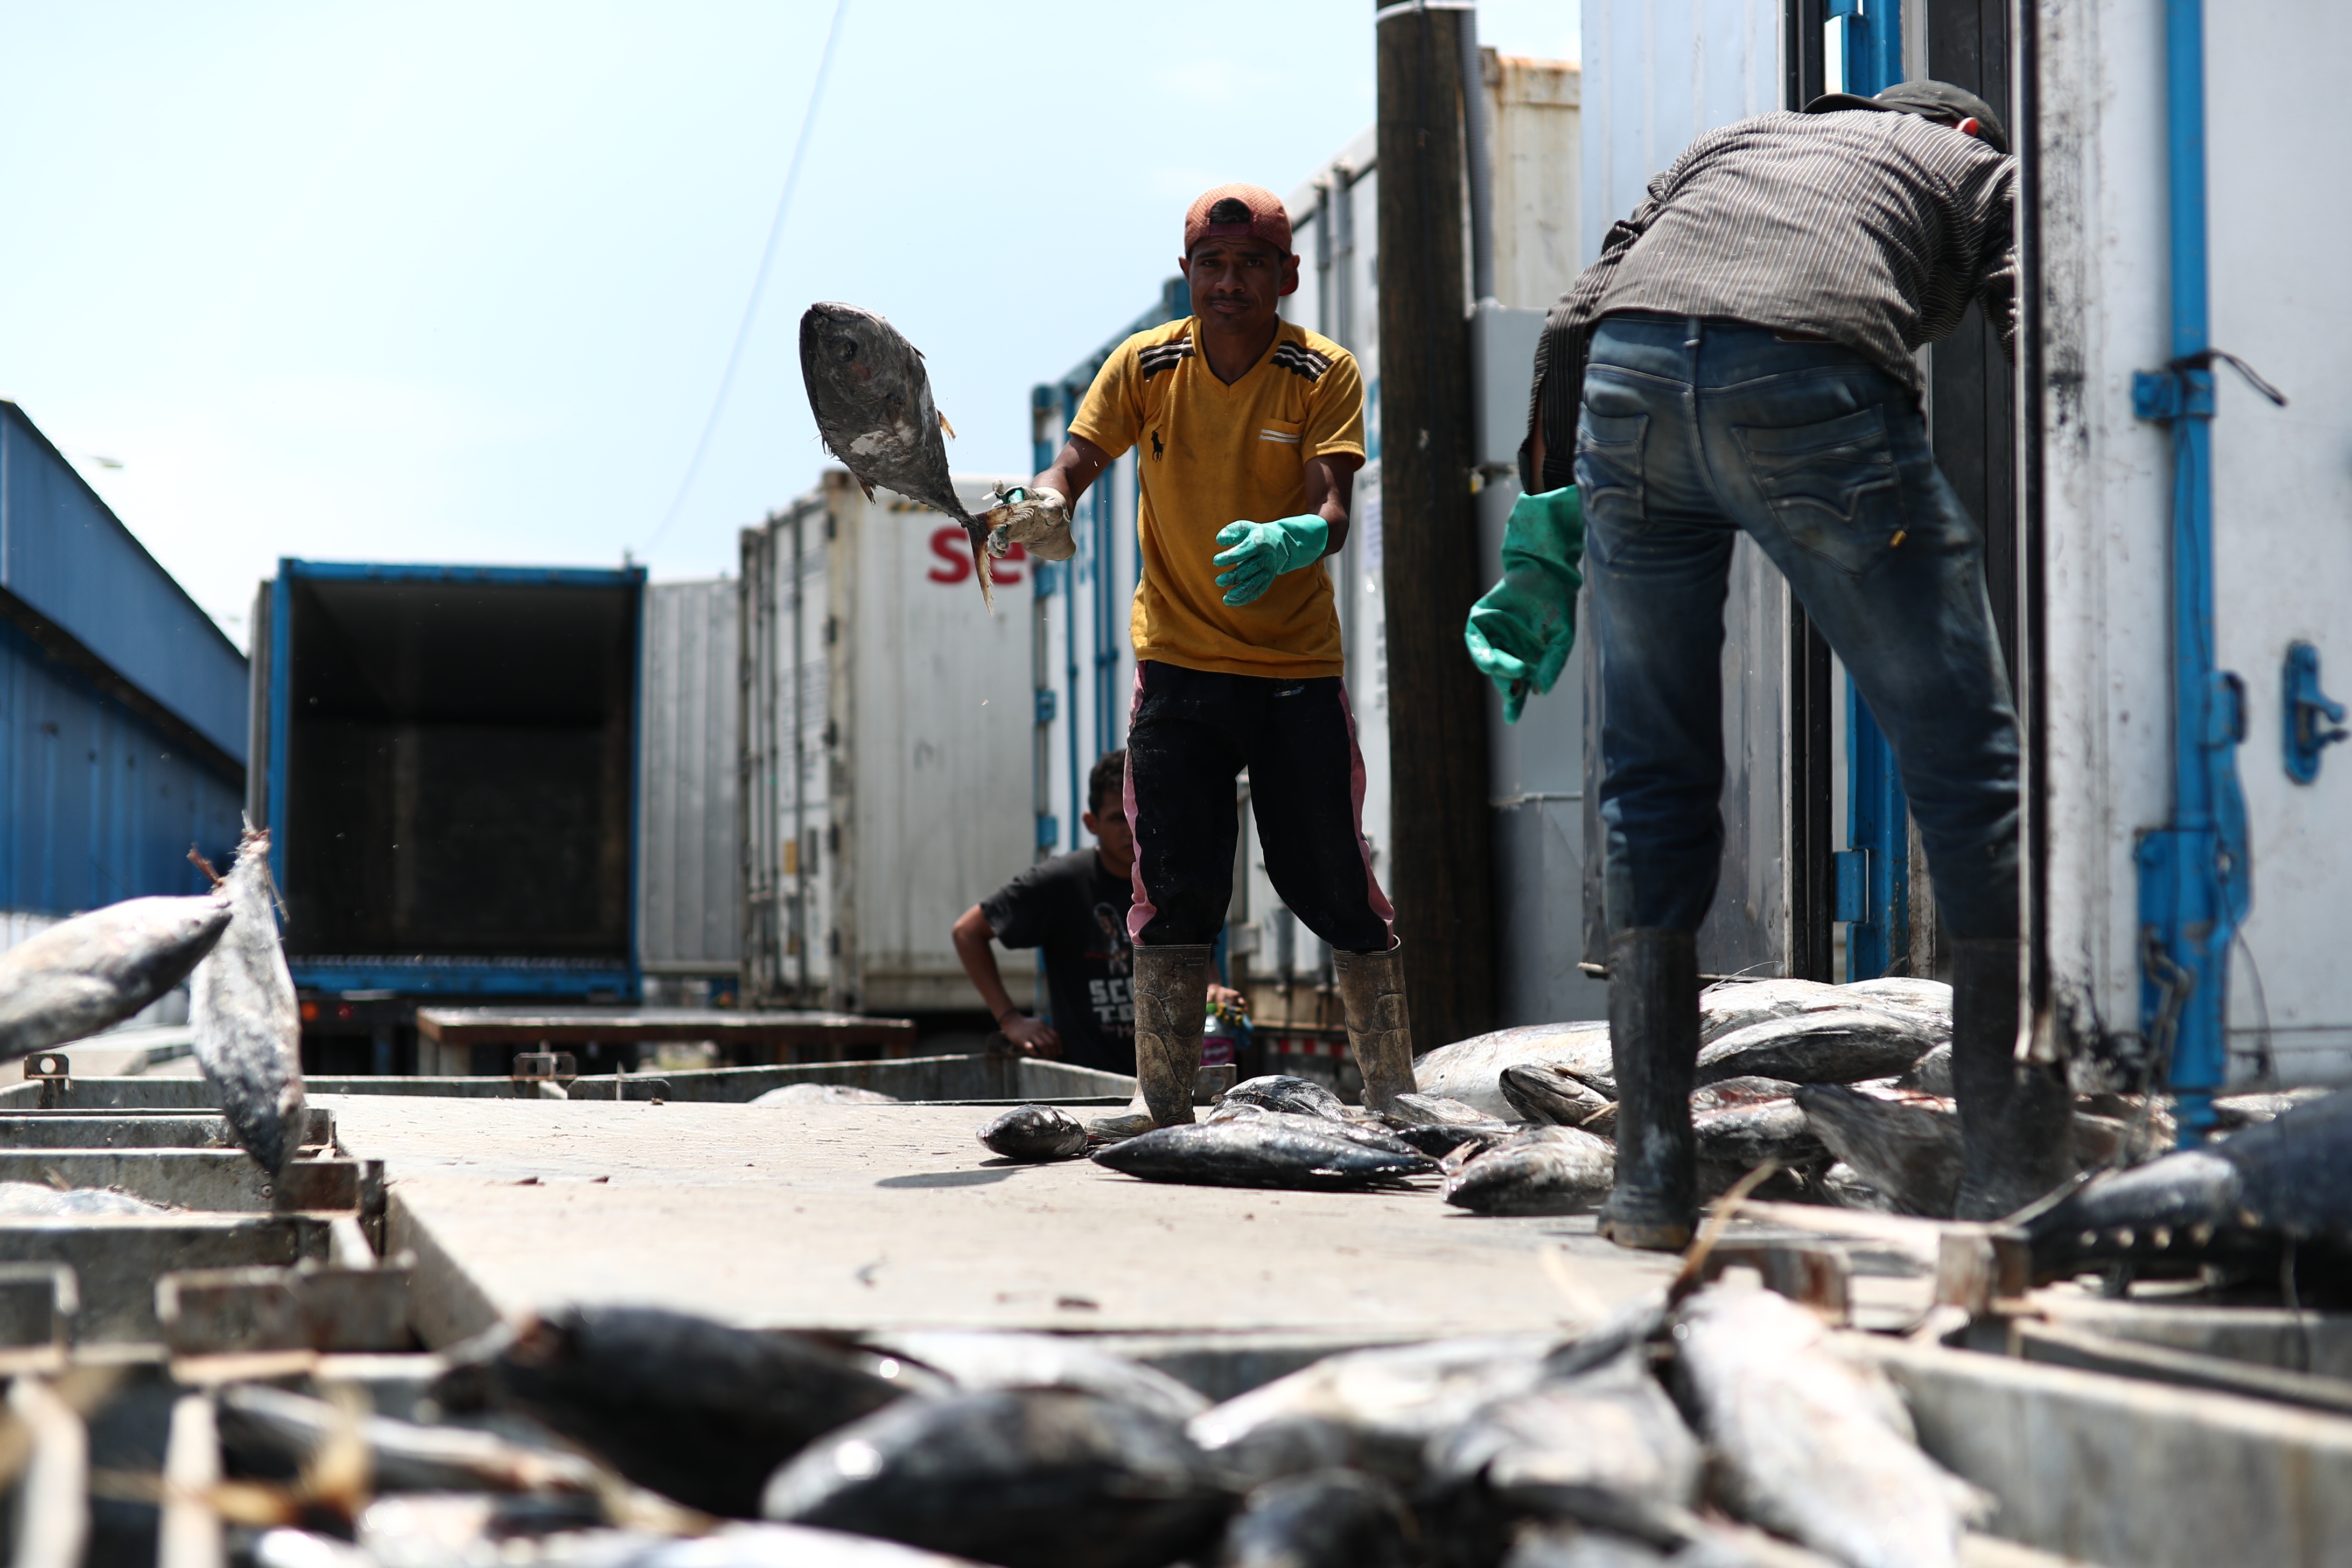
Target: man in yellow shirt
1251,431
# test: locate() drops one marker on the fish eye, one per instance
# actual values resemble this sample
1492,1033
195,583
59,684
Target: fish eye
845,349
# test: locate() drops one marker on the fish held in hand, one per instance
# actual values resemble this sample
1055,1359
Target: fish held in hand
1025,1477
699,1411
243,1019
1810,1443
872,400
1549,1169
89,973
1034,1134
1269,1151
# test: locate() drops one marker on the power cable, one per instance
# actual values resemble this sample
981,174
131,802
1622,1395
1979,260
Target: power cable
759,280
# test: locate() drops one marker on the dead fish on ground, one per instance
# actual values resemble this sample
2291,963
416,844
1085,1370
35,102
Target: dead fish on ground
1906,1147
872,400
1540,1092
1605,1447
2238,1203
1442,1140
1843,1186
1739,1138
973,1359
1424,1108
1931,1074
1470,1070
1027,1478
696,1410
32,1200
1035,1133
1723,1094
1550,1170
2232,1111
824,1094
1268,1151
93,970
765,1546
1932,997
246,1023
1370,1134
1373,1410
1325,1518
1280,1091
1810,1443
270,1433
1845,1045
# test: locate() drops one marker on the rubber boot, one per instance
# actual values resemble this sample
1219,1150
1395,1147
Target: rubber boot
1653,1042
2016,1118
1371,994
1172,1006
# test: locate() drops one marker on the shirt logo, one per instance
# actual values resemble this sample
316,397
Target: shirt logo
1158,450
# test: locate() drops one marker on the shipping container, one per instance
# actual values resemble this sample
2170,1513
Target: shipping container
887,758
447,764
123,707
689,902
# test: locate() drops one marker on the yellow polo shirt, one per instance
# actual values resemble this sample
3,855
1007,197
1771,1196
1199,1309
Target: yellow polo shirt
1209,455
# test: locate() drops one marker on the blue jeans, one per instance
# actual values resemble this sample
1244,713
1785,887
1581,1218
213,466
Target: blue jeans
1693,430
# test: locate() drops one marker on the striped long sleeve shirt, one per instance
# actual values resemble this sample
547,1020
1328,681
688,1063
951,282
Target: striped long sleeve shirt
1872,229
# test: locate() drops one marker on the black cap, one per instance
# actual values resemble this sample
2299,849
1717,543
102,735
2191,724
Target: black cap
1938,101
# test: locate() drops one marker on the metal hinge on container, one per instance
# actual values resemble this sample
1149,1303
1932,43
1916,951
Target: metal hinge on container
1047,705
1853,885
1049,831
2314,721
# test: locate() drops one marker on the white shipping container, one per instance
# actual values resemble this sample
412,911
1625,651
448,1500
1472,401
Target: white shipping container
887,753
689,758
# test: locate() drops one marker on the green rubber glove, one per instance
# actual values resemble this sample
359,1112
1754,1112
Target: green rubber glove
1255,554
1519,634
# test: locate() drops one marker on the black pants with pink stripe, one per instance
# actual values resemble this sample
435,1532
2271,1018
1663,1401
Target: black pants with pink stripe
1191,732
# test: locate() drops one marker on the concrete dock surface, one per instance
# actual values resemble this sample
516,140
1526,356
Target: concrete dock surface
851,1217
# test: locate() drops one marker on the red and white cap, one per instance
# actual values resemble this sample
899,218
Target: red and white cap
1238,211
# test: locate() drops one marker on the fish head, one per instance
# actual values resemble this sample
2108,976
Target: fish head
861,372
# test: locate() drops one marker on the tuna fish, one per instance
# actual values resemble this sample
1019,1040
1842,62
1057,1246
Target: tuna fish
271,1434
83,974
245,1020
1470,1070
1269,1151
1035,1133
1325,1518
1549,1169
696,1410
2238,1203
1723,1094
1027,1478
1606,1448
1810,1442
1543,1092
872,400
1842,1045
1907,1147
1736,1139
1373,1410
1435,1110
974,1361
824,1094
745,1546
1301,1095
1370,1134
1738,1005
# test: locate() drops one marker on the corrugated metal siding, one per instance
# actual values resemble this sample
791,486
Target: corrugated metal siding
96,802
68,557
689,901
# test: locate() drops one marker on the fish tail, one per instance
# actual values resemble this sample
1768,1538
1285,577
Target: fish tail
980,563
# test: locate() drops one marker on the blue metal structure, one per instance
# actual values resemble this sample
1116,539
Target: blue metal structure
2196,873
66,559
611,975
123,707
1105,631
1873,876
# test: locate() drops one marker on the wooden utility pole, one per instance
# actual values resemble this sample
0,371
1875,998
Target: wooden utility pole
1441,876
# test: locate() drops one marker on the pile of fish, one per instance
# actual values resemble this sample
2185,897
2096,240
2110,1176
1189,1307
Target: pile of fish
87,973
641,1438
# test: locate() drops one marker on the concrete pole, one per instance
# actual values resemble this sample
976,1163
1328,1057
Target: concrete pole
1439,871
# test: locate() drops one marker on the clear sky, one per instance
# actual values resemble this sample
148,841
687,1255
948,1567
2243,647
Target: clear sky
457,283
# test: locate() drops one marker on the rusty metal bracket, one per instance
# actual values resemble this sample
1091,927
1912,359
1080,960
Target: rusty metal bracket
53,1070
1814,1274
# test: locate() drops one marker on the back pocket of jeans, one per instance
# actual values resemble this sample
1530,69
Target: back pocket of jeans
1608,468
1832,485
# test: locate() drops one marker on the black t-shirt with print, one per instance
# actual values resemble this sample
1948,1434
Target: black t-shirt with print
1077,913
